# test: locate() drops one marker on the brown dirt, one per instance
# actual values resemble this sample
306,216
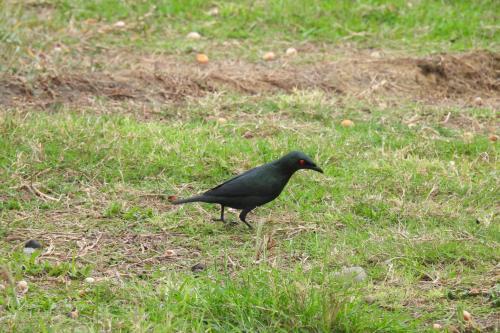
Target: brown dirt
458,78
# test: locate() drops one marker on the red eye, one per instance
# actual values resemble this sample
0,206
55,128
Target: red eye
302,162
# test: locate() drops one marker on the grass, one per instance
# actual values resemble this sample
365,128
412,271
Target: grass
161,27
400,201
410,193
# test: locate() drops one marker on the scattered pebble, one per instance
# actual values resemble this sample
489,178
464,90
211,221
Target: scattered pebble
119,24
193,35
31,246
291,51
248,135
73,314
478,101
213,11
376,54
437,326
269,56
169,253
357,273
198,268
347,123
22,287
89,280
28,250
369,299
33,243
467,315
493,138
58,48
222,120
202,58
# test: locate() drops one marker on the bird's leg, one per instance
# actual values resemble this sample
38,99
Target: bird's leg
221,214
243,216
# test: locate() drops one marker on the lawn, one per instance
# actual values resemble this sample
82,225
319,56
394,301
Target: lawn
100,123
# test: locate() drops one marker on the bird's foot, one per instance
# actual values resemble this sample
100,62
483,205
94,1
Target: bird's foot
219,220
248,225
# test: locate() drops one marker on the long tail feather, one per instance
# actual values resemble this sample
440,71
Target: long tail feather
196,198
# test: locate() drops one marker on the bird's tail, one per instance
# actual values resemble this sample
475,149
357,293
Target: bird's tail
191,199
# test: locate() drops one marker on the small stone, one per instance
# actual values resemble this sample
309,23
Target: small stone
248,135
34,244
493,138
269,56
478,101
347,123
437,326
376,55
213,11
291,51
202,58
58,49
2,287
193,35
89,280
22,287
73,314
357,273
222,120
369,299
169,253
31,246
28,250
467,315
119,24
198,268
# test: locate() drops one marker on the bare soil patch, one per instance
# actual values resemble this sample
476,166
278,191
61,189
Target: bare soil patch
470,78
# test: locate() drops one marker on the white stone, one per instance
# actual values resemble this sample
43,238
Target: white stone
291,51
22,286
193,35
89,280
357,273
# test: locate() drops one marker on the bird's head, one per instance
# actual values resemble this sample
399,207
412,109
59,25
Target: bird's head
297,160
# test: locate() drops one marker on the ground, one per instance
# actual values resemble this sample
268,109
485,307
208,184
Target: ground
104,113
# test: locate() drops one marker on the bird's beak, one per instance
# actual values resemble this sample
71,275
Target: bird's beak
316,168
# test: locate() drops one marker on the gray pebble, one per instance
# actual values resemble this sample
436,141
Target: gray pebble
356,273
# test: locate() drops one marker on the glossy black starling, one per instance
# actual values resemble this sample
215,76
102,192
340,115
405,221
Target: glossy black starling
255,187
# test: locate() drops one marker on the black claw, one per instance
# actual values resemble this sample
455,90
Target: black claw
248,225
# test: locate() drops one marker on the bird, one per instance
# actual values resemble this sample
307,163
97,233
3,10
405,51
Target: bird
254,187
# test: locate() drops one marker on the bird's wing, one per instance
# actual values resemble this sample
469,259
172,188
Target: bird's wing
245,184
